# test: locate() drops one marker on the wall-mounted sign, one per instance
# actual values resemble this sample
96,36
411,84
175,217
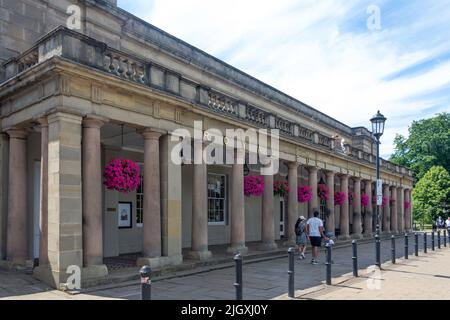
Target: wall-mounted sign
124,215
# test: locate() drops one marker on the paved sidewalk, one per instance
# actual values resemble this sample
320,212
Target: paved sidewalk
424,277
262,280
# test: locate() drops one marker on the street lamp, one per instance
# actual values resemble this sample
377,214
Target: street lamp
378,121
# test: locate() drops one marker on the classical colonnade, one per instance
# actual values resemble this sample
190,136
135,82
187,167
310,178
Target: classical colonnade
64,159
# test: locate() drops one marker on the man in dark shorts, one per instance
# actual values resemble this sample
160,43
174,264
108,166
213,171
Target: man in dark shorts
314,229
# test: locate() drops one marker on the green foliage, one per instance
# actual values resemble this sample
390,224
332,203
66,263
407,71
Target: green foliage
431,194
428,145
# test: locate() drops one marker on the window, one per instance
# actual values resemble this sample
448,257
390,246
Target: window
140,201
216,198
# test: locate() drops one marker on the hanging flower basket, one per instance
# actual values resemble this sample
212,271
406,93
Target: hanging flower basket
339,198
253,186
122,175
406,204
280,188
322,191
304,194
350,196
364,200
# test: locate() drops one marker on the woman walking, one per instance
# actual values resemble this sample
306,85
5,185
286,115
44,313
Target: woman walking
300,231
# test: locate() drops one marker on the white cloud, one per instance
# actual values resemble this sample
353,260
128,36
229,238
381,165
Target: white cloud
307,50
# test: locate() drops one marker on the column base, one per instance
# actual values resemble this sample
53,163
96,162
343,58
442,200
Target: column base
159,262
356,236
90,276
238,249
199,255
12,265
267,246
344,237
368,235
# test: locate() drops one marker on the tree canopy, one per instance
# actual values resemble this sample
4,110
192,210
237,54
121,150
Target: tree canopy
427,145
431,195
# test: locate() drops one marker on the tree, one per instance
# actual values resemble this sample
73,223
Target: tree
428,145
431,195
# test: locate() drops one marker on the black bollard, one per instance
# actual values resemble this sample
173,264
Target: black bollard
416,244
238,283
328,264
425,245
355,258
146,283
406,246
432,240
445,238
393,249
377,251
291,293
439,239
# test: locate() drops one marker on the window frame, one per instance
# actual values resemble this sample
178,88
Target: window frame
225,200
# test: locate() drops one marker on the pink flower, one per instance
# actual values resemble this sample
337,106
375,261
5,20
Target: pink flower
304,194
253,185
280,188
122,175
322,191
339,198
364,200
406,204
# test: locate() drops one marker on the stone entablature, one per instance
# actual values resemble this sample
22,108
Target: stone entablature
89,52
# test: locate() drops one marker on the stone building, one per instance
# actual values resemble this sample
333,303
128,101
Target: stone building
81,85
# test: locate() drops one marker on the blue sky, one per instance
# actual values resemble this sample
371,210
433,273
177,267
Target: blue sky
325,53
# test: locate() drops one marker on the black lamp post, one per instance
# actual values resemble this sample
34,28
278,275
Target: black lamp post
378,121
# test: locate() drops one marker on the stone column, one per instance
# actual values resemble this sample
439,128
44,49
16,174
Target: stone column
92,193
43,240
394,222
330,223
357,228
267,223
17,240
368,214
292,215
386,210
171,206
4,168
314,203
408,211
401,210
237,223
151,230
344,220
65,231
199,234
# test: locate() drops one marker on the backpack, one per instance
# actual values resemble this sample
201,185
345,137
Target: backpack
299,230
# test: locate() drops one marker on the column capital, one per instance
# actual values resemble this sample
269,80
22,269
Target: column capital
312,168
17,133
356,178
330,173
93,121
42,121
343,176
292,164
151,134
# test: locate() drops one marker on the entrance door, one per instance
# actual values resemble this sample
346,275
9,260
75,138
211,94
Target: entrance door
282,211
36,207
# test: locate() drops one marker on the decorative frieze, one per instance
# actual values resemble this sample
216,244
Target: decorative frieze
84,50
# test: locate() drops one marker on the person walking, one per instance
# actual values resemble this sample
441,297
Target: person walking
314,230
300,231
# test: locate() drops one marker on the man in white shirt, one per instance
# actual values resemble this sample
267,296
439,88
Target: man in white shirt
447,223
314,230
